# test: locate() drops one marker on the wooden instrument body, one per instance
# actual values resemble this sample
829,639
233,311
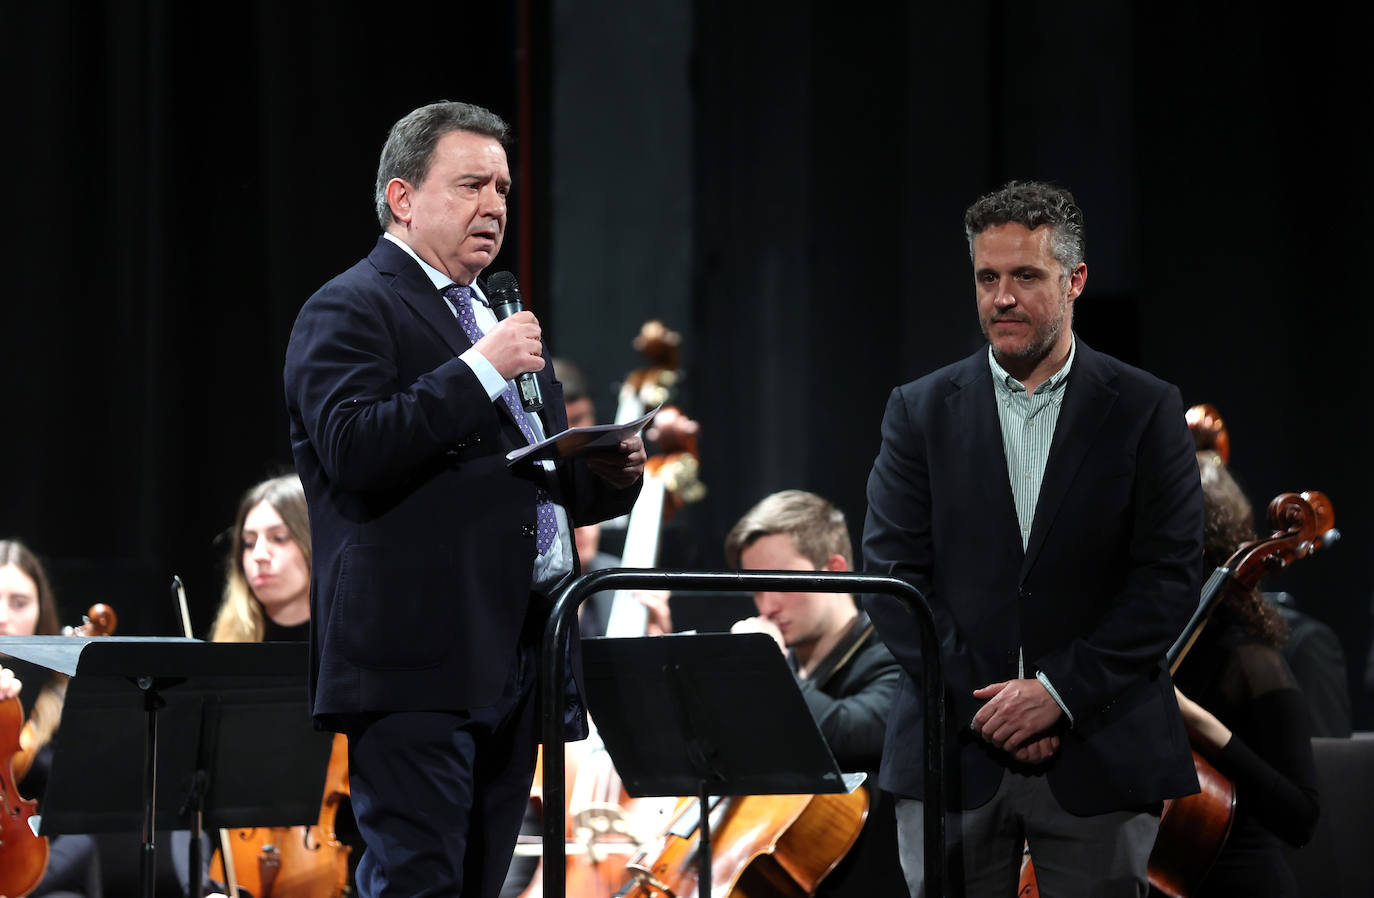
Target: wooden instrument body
1185,849
23,855
604,826
1194,828
294,861
762,846
1198,826
601,827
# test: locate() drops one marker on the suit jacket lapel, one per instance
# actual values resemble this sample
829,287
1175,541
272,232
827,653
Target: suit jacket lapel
411,284
1088,399
973,410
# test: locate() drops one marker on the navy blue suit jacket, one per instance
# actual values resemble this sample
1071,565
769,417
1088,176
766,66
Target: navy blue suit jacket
423,538
1107,581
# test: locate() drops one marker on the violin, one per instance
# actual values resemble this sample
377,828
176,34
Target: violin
24,853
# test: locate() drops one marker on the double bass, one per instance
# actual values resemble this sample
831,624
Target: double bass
24,853
604,826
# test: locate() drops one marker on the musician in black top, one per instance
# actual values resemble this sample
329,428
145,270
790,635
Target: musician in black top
1245,712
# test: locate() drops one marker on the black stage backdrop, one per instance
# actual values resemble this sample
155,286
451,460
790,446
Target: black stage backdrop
1227,201
185,175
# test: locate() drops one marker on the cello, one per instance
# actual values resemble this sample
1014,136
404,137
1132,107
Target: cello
285,861
762,846
24,853
292,861
1193,829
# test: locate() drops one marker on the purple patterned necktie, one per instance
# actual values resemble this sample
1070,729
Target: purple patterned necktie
545,519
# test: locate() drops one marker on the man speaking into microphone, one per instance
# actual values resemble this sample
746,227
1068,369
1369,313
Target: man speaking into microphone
434,560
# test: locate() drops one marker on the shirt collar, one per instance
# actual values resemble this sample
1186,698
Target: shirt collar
436,277
1007,384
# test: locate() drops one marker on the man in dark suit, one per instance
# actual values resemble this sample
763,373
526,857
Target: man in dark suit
433,559
1044,498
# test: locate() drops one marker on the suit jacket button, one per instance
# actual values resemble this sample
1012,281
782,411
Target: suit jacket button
527,530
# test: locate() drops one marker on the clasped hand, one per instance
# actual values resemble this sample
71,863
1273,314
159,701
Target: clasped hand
1017,719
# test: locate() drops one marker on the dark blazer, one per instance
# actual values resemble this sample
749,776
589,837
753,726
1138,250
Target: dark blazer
423,538
1106,583
850,695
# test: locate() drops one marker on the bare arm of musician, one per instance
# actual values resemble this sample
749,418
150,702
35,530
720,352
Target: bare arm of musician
1208,733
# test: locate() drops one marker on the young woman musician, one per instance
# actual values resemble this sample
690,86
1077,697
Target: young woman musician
27,608
267,599
267,574
1244,711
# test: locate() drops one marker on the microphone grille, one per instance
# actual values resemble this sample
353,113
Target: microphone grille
501,287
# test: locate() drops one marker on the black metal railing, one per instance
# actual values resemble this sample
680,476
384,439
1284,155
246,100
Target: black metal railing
552,679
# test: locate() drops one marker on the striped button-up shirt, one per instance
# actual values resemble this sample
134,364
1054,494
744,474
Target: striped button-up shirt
1028,421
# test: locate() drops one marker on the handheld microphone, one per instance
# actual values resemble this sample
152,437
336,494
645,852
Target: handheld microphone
503,294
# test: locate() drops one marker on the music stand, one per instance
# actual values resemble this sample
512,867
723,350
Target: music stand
226,723
706,714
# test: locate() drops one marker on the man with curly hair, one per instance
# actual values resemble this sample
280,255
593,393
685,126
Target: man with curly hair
1044,498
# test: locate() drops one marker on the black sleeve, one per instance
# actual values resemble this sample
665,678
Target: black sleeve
1274,773
854,721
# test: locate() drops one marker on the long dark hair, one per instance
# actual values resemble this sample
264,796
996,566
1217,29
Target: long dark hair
12,551
1229,521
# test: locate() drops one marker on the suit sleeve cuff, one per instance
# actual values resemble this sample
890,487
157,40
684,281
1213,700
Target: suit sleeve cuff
1049,687
487,375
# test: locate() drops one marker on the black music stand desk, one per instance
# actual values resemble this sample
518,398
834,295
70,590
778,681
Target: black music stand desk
706,714
223,727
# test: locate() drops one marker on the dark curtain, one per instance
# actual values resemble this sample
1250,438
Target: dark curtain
1214,154
184,175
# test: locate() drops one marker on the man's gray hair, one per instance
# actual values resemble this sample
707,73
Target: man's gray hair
409,148
1032,204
